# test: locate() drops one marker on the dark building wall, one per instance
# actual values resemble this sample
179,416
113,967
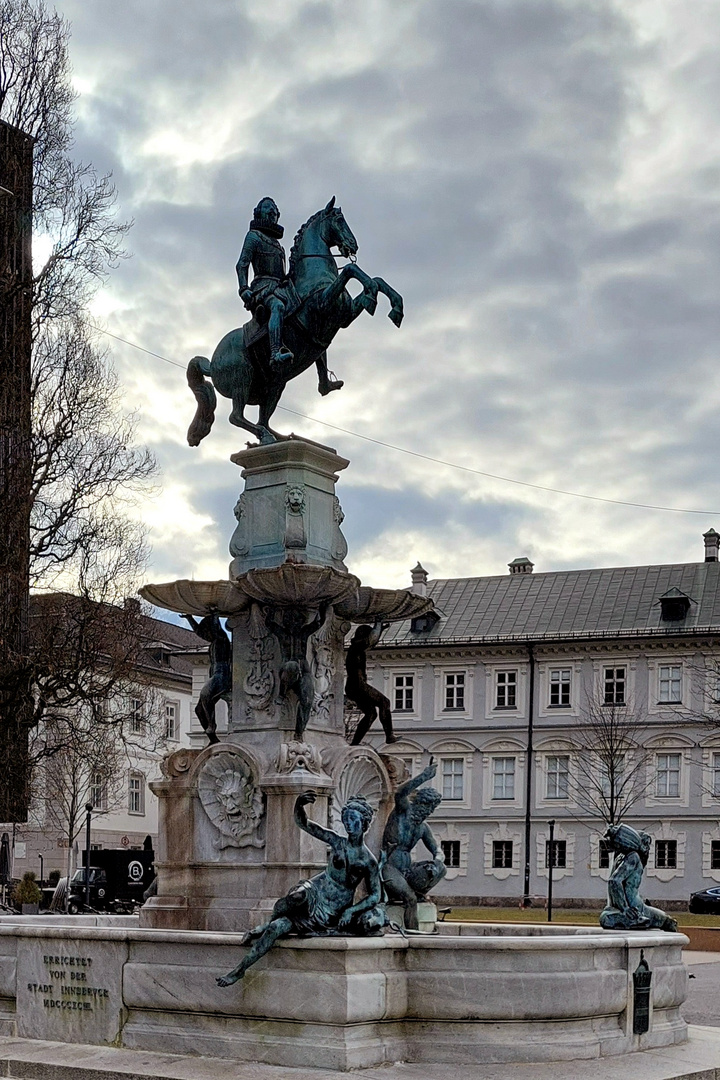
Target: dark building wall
16,160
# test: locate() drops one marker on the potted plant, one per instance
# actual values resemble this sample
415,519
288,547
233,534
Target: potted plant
26,894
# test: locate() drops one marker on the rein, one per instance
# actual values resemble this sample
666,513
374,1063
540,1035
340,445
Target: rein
352,258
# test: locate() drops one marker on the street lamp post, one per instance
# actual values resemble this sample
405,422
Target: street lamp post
42,871
551,863
88,807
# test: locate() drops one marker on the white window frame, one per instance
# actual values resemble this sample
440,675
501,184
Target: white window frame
557,756
450,749
452,775
440,678
389,676
603,776
520,667
665,830
506,680
663,767
136,777
562,684
502,832
667,682
710,784
614,683
675,744
137,716
99,793
545,670
175,736
541,838
655,663
455,687
403,690
502,775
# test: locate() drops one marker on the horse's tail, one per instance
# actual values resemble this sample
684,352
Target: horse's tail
205,396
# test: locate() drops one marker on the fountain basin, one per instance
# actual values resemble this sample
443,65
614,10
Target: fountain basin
288,585
473,993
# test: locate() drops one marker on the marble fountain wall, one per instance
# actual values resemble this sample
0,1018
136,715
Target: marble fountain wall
472,993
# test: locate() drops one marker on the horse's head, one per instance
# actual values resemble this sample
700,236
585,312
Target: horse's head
337,232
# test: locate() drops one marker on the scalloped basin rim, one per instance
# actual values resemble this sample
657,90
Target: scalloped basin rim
290,583
390,605
297,583
196,597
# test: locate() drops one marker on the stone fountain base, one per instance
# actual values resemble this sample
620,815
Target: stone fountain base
471,994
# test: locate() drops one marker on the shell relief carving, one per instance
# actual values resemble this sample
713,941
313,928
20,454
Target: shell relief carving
360,776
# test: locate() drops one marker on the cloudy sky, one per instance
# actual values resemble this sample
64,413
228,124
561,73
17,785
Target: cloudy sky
540,179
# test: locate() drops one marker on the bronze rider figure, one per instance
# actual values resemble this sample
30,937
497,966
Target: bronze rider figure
263,251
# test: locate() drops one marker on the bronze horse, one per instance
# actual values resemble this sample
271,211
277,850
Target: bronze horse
240,368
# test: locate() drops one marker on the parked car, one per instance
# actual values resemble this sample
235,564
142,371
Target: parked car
706,902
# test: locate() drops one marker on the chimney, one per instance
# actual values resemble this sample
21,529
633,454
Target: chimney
521,566
419,580
712,544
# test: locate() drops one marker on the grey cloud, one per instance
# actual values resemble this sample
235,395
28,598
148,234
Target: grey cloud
481,167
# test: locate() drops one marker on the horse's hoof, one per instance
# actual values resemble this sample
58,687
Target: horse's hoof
267,437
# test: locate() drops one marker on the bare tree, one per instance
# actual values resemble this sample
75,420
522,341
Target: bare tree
85,469
82,761
611,773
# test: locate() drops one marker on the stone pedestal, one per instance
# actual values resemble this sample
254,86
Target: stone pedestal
427,916
288,510
228,845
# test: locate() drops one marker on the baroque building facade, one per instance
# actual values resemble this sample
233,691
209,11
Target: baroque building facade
512,686
159,720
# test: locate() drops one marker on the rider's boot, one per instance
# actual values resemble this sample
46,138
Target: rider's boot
279,358
279,355
325,384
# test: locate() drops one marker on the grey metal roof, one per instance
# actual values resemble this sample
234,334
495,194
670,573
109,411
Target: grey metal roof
567,604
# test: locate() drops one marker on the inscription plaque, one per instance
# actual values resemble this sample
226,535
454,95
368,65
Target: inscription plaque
70,990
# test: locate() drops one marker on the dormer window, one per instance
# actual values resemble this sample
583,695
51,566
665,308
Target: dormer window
422,624
674,605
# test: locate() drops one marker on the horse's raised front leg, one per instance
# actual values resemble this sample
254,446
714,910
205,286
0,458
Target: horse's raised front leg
396,301
367,298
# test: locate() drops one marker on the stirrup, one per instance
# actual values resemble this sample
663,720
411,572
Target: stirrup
280,357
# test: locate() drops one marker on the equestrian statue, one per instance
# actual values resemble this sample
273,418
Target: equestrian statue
295,316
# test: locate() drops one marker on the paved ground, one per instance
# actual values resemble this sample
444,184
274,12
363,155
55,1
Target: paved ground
703,1002
26,1060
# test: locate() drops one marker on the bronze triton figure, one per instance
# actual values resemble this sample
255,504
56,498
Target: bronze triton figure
219,683
625,909
407,882
359,690
295,318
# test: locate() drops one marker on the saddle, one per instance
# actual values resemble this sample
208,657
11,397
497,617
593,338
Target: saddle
256,329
